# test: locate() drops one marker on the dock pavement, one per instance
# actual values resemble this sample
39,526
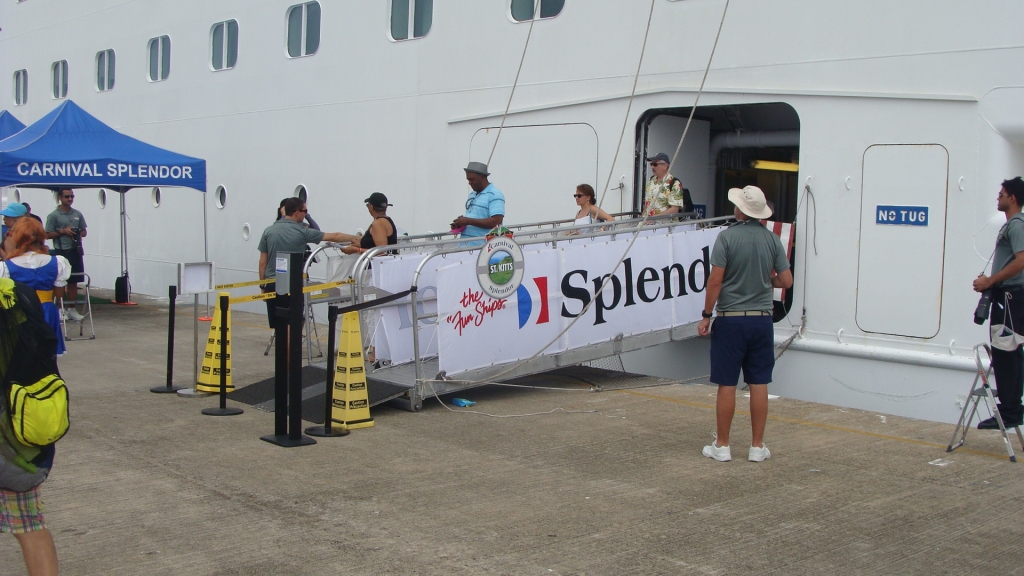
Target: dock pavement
563,481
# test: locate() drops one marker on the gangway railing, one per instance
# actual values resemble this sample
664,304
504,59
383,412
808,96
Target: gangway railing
422,377
516,228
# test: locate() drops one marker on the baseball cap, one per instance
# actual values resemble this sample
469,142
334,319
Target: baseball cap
378,201
14,210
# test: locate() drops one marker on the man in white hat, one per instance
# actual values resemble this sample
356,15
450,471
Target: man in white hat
743,261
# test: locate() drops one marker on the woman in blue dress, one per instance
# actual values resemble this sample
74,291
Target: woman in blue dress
29,262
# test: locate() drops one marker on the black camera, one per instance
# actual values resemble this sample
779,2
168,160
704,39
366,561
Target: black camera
984,304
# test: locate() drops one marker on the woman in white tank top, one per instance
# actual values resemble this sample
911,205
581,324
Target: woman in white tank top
589,211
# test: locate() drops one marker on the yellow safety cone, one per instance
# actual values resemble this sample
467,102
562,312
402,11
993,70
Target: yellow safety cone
209,373
351,404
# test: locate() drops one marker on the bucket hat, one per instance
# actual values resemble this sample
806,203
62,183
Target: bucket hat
750,200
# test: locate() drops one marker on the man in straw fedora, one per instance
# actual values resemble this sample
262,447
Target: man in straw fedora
747,261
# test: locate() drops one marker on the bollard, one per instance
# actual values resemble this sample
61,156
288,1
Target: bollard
288,364
223,410
172,293
327,430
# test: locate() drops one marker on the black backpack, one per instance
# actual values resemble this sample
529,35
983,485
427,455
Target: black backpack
687,201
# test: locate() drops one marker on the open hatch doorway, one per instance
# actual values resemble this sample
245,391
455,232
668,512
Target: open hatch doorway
727,146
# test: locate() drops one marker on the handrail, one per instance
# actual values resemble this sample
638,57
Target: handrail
439,235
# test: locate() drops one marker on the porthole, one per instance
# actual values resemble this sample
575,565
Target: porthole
17,195
103,198
300,192
56,197
156,197
246,231
222,197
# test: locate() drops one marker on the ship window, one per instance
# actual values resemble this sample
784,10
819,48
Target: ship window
155,197
159,58
418,13
60,79
224,45
105,70
300,192
20,87
222,197
303,29
526,10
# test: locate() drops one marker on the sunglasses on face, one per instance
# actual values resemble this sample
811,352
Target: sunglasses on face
69,197
578,195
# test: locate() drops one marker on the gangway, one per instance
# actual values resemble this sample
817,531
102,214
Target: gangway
413,322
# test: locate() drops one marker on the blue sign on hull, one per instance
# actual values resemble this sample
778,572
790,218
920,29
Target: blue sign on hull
902,215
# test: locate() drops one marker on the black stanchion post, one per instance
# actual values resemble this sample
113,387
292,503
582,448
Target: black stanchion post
172,294
288,373
327,430
223,410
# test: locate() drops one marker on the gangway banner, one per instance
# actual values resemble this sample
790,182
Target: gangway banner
659,285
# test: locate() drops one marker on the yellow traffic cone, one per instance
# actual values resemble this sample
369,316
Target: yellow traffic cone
209,373
351,404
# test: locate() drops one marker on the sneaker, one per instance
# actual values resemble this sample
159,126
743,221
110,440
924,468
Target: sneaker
991,424
759,454
74,316
720,453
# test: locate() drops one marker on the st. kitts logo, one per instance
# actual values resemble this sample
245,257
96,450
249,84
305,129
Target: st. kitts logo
499,266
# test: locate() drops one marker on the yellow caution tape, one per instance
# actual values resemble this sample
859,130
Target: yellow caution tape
244,284
325,286
252,297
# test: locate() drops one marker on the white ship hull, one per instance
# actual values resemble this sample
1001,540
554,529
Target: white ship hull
364,114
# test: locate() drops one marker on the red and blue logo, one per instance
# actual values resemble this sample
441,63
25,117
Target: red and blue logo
526,298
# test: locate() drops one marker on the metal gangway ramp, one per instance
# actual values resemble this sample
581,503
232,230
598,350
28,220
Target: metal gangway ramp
663,268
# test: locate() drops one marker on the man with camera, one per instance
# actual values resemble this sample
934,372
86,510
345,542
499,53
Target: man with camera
66,227
1006,286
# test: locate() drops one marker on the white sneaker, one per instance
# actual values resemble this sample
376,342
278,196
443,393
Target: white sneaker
74,316
759,454
720,453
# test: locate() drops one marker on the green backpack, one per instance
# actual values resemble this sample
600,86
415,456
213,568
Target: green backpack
39,411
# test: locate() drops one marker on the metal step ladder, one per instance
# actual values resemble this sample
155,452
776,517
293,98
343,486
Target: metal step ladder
974,398
86,305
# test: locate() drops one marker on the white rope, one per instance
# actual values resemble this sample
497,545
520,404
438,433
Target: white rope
640,226
513,92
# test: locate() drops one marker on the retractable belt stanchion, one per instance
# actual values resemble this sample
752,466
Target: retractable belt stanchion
327,430
172,293
223,410
288,399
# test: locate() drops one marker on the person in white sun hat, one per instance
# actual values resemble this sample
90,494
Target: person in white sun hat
746,263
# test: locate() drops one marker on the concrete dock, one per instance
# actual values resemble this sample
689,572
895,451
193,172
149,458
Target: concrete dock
582,483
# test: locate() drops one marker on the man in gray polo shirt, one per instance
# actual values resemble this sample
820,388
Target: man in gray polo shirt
743,261
66,227
288,234
1007,285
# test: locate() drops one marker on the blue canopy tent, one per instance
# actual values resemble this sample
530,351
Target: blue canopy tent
9,124
69,148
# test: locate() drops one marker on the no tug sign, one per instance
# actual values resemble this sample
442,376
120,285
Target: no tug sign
499,267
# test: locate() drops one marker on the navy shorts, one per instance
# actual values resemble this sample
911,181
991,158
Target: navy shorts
746,342
77,266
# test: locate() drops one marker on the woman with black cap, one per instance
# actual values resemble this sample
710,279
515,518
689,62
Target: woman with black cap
382,231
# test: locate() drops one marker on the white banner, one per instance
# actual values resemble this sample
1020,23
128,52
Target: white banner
392,336
659,285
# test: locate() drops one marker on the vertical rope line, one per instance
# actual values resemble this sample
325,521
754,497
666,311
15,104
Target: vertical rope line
636,234
514,84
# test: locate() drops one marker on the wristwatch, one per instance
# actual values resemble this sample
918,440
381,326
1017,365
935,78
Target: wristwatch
704,314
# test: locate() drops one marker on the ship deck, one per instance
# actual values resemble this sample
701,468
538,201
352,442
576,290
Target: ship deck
582,482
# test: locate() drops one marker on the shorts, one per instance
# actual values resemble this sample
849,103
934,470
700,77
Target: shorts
77,265
21,512
279,300
746,342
